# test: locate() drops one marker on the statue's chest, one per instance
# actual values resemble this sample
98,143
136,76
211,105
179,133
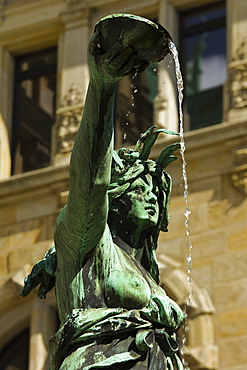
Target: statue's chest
118,275
109,278
126,289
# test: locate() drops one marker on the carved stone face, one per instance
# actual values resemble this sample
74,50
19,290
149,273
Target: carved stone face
141,200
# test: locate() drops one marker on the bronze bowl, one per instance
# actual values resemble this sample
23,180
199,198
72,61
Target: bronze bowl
149,40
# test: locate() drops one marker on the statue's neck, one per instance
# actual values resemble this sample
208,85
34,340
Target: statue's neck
133,244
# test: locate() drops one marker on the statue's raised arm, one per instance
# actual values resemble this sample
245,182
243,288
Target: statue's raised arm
86,213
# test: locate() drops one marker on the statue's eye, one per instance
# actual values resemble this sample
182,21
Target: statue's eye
139,189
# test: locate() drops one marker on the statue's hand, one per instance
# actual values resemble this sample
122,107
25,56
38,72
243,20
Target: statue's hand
43,274
118,62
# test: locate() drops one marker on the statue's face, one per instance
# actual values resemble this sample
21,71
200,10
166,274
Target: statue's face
142,202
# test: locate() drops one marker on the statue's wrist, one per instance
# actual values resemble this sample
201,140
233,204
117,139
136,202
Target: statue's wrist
103,82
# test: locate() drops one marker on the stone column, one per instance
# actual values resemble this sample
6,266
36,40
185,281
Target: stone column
73,81
43,325
165,103
236,102
6,98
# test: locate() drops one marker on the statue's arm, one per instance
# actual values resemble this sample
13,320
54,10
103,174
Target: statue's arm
86,213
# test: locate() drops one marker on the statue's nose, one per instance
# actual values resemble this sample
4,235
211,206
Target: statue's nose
151,198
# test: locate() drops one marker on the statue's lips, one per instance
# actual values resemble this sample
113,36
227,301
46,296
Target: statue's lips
151,210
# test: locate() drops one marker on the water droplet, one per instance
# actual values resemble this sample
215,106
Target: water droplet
126,123
155,69
187,213
189,259
124,136
136,72
135,91
132,104
187,222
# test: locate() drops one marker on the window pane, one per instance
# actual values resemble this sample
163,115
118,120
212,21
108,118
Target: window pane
34,110
203,59
37,60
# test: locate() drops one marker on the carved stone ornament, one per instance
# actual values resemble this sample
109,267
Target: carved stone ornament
68,120
73,97
67,127
239,181
241,53
238,68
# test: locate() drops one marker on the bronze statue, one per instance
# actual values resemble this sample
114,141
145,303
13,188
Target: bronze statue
113,313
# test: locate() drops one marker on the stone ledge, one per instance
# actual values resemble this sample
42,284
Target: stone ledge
38,179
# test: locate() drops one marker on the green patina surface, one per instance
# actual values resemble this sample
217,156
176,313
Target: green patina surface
113,313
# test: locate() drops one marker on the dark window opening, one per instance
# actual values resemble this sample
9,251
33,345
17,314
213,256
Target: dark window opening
34,110
203,62
14,356
134,105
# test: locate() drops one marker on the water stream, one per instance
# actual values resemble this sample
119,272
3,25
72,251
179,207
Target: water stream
180,87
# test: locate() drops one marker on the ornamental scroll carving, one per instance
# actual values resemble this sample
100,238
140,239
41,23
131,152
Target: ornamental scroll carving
239,175
238,69
69,117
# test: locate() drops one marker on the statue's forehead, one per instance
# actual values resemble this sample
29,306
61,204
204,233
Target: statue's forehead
143,180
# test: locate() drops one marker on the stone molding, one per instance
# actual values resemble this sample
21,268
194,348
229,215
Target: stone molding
238,77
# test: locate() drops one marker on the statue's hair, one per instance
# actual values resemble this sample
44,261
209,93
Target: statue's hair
128,165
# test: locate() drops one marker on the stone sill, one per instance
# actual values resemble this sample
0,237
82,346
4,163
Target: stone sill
42,179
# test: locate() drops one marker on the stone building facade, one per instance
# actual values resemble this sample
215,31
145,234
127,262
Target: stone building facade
33,189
